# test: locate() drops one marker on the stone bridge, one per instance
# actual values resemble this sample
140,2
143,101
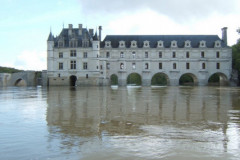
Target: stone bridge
25,78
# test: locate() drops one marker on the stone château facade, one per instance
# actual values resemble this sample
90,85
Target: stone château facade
77,56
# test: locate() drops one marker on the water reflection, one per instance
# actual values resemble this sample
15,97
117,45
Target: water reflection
166,121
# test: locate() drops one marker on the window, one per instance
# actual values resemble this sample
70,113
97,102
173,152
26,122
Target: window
187,54
73,65
160,54
60,44
121,55
60,55
133,54
202,54
86,75
73,53
173,54
203,66
85,55
133,66
108,65
107,54
60,66
160,66
85,65
174,66
217,54
121,65
218,66
146,54
101,67
187,65
146,66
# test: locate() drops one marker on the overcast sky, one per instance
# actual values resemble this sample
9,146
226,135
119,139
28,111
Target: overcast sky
25,24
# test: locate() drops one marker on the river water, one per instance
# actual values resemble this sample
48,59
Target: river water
99,123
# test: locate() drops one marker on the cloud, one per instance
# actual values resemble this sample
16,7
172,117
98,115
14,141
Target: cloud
31,60
175,9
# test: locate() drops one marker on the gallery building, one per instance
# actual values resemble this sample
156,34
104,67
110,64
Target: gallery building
78,56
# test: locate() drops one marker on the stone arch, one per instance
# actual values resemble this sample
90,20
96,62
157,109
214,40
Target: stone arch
134,79
20,82
218,79
72,80
114,79
160,79
188,79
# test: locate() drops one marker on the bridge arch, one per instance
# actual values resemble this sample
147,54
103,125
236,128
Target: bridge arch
72,80
218,79
160,79
134,79
20,82
188,79
114,79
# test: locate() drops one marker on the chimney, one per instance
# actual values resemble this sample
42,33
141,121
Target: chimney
224,35
100,33
79,29
91,32
70,26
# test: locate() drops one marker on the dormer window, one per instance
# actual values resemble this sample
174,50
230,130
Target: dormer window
108,44
202,43
174,44
60,44
121,44
146,43
134,44
160,44
187,43
217,44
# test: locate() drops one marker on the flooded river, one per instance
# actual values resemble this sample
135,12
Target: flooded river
99,123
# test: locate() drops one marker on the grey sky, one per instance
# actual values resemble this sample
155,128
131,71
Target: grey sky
174,9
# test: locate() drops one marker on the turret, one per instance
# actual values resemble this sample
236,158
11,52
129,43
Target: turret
50,47
96,45
50,41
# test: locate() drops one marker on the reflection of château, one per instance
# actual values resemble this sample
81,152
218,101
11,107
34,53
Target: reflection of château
77,56
124,111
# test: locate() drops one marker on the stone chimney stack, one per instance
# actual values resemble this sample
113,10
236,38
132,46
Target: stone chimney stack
70,27
91,32
100,33
79,29
224,35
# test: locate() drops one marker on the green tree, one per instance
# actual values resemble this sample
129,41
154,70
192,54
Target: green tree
134,78
9,70
236,56
114,79
159,79
186,80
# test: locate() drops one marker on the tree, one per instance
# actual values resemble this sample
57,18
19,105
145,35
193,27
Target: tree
236,55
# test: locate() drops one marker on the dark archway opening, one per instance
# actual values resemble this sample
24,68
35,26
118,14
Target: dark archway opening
20,82
73,80
134,79
187,80
217,79
159,79
114,79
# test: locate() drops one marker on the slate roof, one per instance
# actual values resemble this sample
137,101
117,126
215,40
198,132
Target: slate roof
66,38
195,40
